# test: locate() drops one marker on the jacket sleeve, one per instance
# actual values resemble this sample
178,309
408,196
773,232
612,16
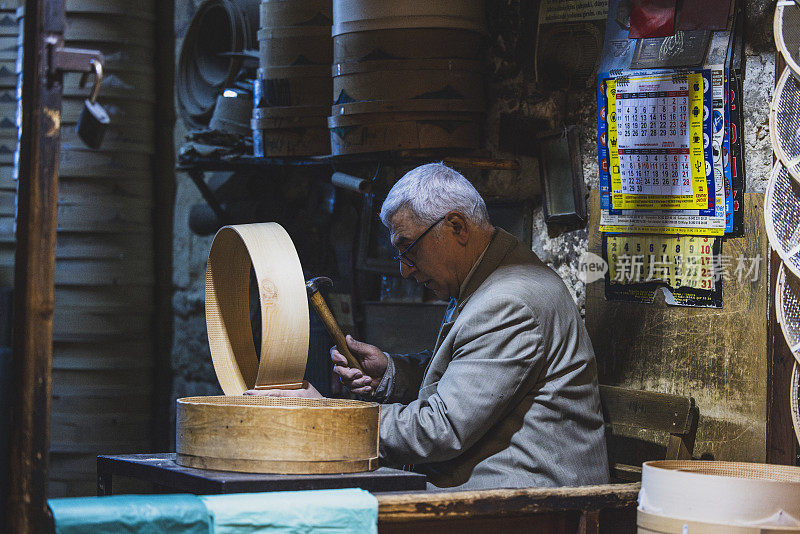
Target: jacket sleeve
497,358
403,376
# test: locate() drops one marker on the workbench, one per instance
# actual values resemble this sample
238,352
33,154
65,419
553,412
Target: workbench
162,470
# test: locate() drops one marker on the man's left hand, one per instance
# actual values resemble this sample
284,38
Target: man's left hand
306,392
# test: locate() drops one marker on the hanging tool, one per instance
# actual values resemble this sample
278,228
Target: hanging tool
312,286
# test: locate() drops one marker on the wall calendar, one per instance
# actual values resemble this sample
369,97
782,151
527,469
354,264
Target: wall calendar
656,145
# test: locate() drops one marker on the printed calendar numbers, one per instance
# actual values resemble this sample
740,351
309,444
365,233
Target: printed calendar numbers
685,261
655,132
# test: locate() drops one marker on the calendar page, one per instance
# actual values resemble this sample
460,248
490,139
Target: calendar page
656,142
687,268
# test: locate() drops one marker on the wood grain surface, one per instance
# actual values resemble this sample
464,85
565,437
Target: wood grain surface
283,303
277,435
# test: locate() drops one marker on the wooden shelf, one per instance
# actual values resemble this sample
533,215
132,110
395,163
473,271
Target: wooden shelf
463,160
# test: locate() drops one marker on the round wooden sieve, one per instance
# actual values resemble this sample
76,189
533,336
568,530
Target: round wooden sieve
283,301
784,122
787,308
782,217
794,402
277,434
257,434
786,30
718,497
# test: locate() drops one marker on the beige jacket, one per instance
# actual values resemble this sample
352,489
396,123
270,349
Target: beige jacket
509,397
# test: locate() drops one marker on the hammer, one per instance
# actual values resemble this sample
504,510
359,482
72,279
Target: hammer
312,287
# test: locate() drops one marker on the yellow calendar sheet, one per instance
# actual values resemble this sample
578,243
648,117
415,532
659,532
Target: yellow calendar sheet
656,143
677,261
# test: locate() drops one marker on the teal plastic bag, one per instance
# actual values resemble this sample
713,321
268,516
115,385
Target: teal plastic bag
131,514
340,511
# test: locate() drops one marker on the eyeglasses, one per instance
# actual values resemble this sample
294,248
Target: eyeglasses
402,255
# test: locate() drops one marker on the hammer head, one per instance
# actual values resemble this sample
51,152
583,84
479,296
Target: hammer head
313,285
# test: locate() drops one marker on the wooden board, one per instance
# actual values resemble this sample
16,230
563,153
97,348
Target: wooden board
121,84
103,273
377,132
102,28
407,43
364,15
286,46
296,86
274,14
717,356
162,469
392,80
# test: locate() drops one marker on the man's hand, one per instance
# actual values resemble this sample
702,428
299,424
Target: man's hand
372,359
306,392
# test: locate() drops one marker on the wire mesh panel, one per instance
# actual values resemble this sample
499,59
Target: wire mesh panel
787,33
784,122
782,217
787,308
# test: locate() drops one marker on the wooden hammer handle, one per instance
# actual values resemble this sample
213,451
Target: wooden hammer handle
333,328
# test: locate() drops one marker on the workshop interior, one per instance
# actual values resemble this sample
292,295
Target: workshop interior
388,266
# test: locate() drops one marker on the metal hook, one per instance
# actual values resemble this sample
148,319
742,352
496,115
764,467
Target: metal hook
96,68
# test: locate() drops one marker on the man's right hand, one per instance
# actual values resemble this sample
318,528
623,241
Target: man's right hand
372,359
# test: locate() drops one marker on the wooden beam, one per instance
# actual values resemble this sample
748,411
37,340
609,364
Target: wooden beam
34,267
452,505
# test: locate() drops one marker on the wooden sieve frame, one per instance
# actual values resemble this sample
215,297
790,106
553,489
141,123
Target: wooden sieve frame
794,402
284,309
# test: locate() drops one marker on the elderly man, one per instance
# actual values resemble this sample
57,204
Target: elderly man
508,397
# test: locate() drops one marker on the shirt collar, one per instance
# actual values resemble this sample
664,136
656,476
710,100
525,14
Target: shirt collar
472,270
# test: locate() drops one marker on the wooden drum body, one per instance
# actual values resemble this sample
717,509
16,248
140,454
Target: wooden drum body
257,434
277,435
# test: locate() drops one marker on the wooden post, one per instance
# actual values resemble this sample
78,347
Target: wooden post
163,198
35,270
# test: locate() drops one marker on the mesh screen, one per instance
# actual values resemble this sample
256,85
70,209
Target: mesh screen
279,402
753,471
788,309
785,122
782,217
787,36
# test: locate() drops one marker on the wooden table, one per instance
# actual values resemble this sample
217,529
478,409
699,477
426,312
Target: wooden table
161,469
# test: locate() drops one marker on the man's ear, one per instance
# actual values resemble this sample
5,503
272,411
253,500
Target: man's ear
457,224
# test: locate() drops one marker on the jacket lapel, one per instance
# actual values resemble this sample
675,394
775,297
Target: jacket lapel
499,247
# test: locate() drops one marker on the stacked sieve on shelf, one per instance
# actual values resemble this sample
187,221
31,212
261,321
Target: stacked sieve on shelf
782,201
292,90
406,75
102,326
9,31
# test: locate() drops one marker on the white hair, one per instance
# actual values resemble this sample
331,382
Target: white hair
430,191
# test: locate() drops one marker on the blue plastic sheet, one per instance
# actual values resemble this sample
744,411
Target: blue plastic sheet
341,511
131,514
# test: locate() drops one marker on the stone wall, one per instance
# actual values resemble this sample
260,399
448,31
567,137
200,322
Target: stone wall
511,90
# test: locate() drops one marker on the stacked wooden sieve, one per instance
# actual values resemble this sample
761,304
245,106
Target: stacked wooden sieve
293,86
782,200
103,321
406,75
8,142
